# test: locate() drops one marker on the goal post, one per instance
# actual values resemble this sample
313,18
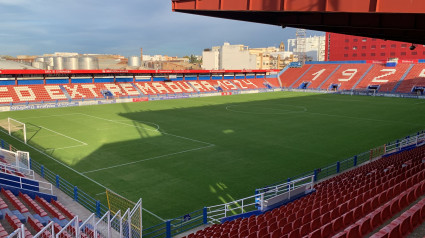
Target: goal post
17,126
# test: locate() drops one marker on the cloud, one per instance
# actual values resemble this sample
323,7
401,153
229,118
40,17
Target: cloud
120,27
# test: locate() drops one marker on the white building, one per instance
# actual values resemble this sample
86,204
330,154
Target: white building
314,48
229,57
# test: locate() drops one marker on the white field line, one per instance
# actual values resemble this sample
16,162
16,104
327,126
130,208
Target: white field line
75,171
54,115
165,133
67,147
83,143
144,160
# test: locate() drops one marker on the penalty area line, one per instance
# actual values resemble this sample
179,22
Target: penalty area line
144,160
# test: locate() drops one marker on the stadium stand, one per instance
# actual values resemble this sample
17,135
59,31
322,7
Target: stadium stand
385,78
352,204
346,77
316,76
414,78
291,75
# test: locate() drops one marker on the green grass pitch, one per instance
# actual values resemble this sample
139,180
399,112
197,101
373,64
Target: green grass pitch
181,155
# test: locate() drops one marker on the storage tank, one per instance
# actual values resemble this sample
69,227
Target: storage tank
71,63
39,65
39,59
88,63
134,61
58,63
49,61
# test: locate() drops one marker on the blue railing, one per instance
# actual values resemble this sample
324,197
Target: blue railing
68,188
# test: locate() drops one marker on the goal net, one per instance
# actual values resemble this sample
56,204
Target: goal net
132,218
16,161
15,128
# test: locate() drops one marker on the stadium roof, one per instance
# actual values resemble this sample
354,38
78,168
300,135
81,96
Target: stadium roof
384,19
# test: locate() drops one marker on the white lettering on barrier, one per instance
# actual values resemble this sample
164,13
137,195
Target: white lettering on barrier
91,88
378,78
318,73
5,99
174,87
198,86
208,86
115,89
228,84
248,82
55,92
160,88
186,87
350,73
239,84
146,88
422,74
129,89
74,91
25,93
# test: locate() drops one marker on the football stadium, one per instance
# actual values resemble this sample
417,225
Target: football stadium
330,148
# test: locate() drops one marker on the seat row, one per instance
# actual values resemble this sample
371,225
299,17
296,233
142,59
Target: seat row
338,205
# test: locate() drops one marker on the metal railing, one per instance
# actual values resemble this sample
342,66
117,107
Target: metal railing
29,184
257,202
14,169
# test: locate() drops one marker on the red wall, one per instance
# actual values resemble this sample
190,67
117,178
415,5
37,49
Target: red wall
345,47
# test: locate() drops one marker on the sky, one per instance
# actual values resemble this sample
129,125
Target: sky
36,27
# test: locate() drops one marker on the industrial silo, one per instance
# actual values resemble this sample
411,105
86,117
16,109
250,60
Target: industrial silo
39,65
58,63
49,61
71,63
39,59
134,61
88,63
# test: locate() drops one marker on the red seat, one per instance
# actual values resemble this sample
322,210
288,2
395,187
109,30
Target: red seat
353,231
337,224
326,230
348,218
294,234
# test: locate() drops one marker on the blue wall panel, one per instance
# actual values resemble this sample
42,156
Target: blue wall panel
124,80
337,62
240,77
86,80
178,79
159,79
103,80
30,82
229,77
216,78
204,78
57,81
7,82
191,78
143,80
260,76
250,77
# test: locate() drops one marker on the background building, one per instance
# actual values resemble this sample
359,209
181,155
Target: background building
344,47
229,57
314,47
